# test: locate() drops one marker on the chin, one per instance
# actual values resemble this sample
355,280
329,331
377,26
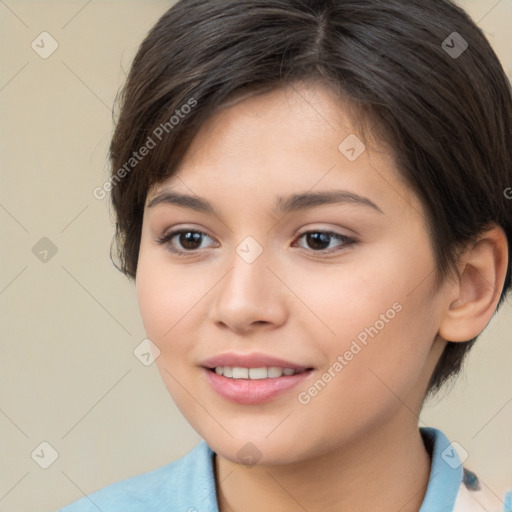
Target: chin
256,451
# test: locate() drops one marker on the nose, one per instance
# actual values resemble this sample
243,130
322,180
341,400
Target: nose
250,296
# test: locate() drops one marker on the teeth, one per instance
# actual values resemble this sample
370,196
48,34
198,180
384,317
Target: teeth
240,373
237,372
274,372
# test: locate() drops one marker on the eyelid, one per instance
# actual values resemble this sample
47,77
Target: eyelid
169,234
346,241
330,231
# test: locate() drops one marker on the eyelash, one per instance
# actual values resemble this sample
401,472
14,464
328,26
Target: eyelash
164,240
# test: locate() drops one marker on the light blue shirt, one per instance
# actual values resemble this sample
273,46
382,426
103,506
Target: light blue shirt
188,484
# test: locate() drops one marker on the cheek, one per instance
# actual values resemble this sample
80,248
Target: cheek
383,324
166,299
351,299
166,294
158,307
364,383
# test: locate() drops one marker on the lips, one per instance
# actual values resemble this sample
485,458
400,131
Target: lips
246,391
253,360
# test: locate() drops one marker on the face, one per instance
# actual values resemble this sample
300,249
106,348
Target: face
337,286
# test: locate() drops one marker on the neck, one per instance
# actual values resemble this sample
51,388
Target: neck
388,466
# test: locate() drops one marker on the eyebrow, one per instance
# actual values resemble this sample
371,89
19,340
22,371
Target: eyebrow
292,203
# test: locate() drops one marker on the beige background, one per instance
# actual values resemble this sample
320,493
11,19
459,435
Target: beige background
69,325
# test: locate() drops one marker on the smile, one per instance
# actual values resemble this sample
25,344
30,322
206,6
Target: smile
241,388
237,372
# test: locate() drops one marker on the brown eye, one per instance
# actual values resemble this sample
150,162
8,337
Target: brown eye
183,241
189,240
321,240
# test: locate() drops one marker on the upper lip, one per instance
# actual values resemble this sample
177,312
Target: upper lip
253,360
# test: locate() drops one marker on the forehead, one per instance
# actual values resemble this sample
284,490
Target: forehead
297,137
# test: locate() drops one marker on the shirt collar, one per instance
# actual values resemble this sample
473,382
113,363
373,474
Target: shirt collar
445,472
197,476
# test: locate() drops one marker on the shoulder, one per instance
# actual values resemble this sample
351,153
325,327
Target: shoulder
176,486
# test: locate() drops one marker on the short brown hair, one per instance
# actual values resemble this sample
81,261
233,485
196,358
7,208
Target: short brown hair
446,116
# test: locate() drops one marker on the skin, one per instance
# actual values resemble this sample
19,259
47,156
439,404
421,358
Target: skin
296,304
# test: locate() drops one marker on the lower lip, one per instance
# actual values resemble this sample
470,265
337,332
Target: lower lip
253,391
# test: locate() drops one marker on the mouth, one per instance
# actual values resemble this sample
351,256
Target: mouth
250,379
251,361
271,372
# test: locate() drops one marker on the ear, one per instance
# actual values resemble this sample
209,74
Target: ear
474,295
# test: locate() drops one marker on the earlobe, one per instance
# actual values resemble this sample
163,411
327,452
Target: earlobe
476,292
